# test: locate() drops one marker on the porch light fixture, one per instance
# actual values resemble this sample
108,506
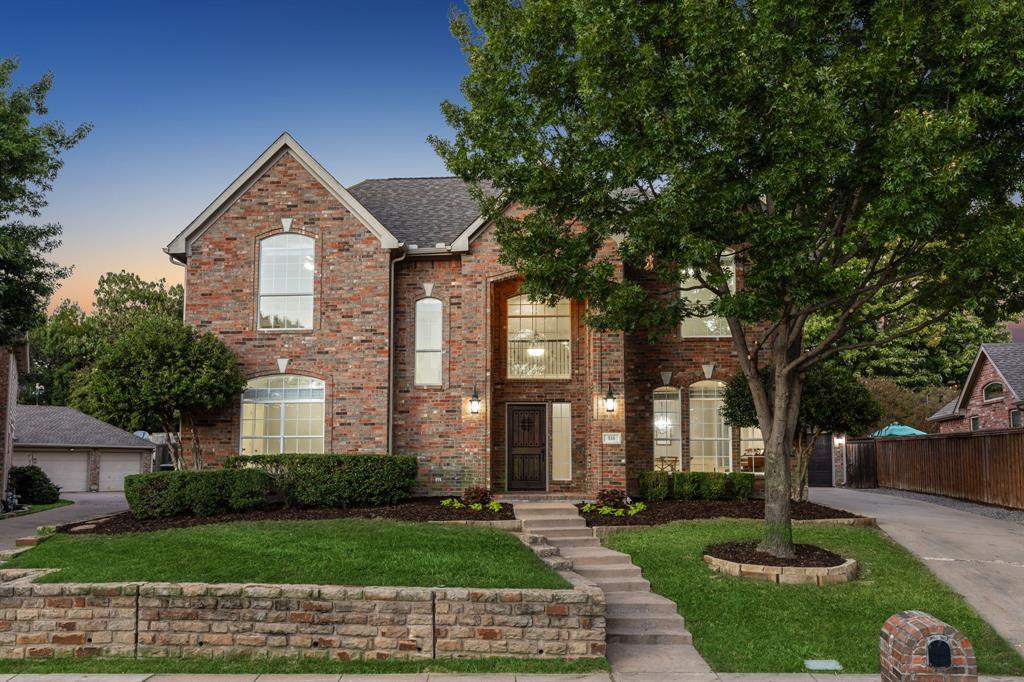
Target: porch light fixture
840,440
610,401
474,402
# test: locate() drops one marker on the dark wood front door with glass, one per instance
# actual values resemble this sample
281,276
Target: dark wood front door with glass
527,447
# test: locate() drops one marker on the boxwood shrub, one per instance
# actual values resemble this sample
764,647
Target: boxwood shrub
196,493
706,485
655,486
32,485
336,480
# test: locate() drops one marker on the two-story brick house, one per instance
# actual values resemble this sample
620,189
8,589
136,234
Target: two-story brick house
377,318
992,396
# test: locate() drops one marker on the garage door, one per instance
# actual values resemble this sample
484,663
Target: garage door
69,470
114,466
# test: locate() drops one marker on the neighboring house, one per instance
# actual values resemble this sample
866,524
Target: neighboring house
992,397
78,452
12,361
377,318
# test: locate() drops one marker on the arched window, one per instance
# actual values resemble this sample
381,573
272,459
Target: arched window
286,282
667,429
538,339
710,436
993,391
283,414
712,325
428,342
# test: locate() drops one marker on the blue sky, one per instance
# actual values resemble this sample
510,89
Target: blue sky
185,95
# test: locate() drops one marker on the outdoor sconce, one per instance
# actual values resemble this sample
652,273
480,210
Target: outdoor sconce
609,400
840,440
474,402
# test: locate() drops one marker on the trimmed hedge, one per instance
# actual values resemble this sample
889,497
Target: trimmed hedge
656,486
196,493
336,480
32,485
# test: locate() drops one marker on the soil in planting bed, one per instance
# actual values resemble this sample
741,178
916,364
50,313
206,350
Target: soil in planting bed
416,509
689,510
807,556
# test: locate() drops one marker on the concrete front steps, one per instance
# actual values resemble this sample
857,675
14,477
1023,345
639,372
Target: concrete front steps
637,619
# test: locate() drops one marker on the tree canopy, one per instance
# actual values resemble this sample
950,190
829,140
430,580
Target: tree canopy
855,161
30,158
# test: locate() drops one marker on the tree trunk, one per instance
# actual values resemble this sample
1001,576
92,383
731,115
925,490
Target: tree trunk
197,446
778,529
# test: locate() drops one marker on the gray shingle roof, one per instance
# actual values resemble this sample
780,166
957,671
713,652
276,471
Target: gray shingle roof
54,425
1009,360
421,211
946,411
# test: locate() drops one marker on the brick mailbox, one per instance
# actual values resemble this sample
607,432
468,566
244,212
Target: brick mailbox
917,647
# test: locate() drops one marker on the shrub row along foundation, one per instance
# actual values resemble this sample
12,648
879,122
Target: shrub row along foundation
197,619
787,575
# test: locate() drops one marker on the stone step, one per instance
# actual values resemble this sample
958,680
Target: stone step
580,541
660,636
587,556
559,532
641,622
626,604
546,514
635,584
532,522
596,573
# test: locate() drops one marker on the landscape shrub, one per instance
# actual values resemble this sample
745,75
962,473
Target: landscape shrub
655,486
612,497
476,494
197,493
741,485
686,485
336,480
713,486
156,495
32,485
249,489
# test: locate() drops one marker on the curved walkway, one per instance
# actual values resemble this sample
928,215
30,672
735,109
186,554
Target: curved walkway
87,506
980,557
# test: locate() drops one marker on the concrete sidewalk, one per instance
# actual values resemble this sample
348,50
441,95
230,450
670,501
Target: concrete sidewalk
468,677
86,506
980,557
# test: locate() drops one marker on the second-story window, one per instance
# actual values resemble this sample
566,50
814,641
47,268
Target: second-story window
539,339
992,391
286,282
428,341
712,325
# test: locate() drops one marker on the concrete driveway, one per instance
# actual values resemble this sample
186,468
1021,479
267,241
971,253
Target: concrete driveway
86,506
981,558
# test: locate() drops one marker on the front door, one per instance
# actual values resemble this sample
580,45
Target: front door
527,447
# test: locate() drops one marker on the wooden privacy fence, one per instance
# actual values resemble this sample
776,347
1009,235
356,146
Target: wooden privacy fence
985,466
860,463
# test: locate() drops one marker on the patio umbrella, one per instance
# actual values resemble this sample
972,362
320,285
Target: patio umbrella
897,429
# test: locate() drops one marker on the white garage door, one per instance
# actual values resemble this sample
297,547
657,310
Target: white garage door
114,466
69,470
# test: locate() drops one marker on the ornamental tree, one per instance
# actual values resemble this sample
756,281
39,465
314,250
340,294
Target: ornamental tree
832,401
859,161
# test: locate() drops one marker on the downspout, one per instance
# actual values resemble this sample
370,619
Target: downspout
391,347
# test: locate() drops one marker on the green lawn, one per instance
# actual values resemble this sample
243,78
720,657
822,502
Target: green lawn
338,552
36,508
740,625
284,666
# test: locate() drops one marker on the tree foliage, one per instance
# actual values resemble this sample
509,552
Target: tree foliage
910,406
30,158
860,160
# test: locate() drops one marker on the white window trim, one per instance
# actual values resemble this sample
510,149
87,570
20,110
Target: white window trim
974,420
568,407
1020,418
997,398
260,295
508,345
679,418
728,260
728,428
282,403
416,349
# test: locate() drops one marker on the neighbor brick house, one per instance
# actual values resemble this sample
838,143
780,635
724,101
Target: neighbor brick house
377,318
992,397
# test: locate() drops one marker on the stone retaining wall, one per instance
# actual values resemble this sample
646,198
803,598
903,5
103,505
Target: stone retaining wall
786,575
189,619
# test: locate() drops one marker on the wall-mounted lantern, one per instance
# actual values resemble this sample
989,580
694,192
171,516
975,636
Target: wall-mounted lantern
610,402
474,402
839,439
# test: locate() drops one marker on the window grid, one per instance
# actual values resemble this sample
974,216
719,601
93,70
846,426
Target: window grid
710,435
668,444
561,441
539,339
712,325
751,450
283,414
429,342
286,282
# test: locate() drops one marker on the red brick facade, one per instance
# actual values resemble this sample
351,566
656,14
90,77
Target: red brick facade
991,414
348,347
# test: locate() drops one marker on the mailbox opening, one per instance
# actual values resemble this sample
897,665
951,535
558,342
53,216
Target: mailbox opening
939,654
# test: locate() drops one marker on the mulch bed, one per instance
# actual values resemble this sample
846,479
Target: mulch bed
746,553
416,509
687,510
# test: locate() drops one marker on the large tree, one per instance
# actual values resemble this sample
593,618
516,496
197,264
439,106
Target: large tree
855,160
30,157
